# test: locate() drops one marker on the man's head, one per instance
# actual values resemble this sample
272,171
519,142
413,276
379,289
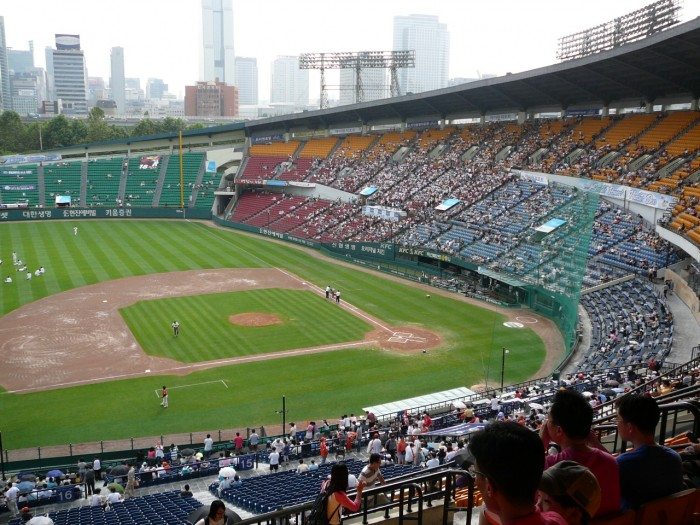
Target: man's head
509,464
375,461
637,415
570,490
570,416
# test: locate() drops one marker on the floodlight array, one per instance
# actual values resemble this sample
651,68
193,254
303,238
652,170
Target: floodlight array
639,24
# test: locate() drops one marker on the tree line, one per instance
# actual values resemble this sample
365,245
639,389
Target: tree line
20,137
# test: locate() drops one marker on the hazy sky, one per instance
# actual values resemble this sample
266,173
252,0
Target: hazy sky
161,38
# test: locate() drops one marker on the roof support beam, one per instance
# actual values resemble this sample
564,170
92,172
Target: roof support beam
623,85
541,92
559,77
517,104
647,72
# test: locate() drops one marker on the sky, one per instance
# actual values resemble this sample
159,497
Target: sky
162,38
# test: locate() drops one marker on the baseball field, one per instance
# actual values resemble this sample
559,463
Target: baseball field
85,347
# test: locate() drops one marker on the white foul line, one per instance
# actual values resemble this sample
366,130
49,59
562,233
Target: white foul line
194,384
345,304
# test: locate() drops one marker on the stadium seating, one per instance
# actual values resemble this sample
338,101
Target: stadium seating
140,183
63,178
191,164
22,175
318,148
103,181
166,508
630,325
275,149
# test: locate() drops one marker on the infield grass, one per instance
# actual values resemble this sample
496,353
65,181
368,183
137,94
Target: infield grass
316,386
306,320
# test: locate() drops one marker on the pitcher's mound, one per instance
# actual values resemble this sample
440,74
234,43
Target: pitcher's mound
254,319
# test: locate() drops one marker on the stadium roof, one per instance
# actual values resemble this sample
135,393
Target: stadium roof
664,65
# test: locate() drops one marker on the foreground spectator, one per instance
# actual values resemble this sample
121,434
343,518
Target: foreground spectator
569,426
337,487
637,417
508,467
570,490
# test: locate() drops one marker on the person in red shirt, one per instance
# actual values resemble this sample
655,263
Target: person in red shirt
238,443
427,422
337,487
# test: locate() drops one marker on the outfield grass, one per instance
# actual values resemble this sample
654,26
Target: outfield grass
307,320
321,385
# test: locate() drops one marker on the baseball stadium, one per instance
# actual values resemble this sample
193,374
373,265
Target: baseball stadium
414,255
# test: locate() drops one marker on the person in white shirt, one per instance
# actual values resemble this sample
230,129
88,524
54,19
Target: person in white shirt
375,445
97,467
274,460
433,461
96,500
208,445
409,454
371,476
11,495
417,452
303,467
114,496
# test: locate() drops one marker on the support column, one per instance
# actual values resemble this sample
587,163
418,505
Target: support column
482,119
694,104
287,136
648,107
522,117
606,111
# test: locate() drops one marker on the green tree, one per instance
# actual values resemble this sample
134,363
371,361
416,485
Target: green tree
97,128
145,127
11,132
57,133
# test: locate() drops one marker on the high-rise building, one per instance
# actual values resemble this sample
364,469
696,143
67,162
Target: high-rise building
217,59
247,80
96,90
133,83
26,91
20,60
155,89
373,83
50,89
431,42
211,99
5,95
69,74
117,81
289,84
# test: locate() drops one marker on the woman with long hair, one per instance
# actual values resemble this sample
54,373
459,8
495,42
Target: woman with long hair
337,488
216,516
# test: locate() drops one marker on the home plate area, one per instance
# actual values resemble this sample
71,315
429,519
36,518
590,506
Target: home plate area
406,337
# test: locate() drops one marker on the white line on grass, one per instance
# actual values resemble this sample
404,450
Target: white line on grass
204,364
345,304
195,384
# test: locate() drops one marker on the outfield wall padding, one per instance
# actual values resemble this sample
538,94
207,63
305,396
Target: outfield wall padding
103,213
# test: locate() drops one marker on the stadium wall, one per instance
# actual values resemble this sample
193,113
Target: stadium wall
103,213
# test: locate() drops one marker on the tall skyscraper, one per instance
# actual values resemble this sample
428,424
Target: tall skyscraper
431,41
155,88
50,88
374,85
20,60
217,60
69,74
117,81
247,80
289,84
5,95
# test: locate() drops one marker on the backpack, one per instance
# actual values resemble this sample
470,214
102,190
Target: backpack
317,514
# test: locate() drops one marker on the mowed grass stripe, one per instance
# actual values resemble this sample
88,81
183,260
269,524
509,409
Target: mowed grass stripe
207,334
125,261
168,245
105,268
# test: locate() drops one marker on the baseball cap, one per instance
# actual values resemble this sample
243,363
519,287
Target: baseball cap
568,478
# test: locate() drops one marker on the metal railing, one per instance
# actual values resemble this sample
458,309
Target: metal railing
407,496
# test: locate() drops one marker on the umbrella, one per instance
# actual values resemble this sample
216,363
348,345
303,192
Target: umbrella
459,405
117,487
203,511
26,486
40,520
535,406
187,452
119,470
612,382
587,394
227,472
55,473
609,392
27,476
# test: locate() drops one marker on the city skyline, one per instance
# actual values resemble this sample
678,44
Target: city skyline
480,32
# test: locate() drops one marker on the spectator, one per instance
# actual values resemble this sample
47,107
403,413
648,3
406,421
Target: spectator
637,417
208,445
569,425
303,467
216,515
186,492
570,490
114,496
500,451
337,487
